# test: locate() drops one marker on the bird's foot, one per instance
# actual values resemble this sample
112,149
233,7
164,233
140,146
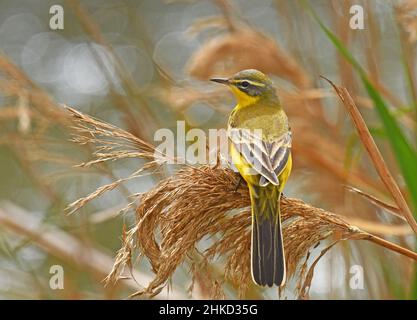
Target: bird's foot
238,184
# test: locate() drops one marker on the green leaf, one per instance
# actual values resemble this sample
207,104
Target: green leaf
404,153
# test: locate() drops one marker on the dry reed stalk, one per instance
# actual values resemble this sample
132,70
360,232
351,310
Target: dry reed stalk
392,209
375,155
381,228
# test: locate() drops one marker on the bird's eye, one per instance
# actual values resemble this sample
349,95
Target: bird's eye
244,84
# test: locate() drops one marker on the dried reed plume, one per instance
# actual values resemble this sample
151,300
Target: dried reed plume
239,49
201,206
110,144
201,202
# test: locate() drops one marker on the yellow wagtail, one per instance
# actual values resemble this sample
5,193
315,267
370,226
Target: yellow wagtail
261,151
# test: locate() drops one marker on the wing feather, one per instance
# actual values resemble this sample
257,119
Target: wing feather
267,158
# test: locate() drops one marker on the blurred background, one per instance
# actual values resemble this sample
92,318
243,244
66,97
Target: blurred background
142,65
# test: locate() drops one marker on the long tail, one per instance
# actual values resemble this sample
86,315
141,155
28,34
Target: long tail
268,260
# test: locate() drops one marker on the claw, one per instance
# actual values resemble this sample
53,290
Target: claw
238,184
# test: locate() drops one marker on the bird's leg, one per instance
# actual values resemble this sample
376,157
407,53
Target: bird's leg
238,183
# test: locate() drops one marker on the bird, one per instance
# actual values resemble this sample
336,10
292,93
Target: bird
260,149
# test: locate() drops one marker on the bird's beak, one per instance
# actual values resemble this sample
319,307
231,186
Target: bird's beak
221,80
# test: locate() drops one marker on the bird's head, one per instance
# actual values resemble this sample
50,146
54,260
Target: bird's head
249,86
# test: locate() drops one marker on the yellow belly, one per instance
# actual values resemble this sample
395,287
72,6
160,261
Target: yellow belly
247,173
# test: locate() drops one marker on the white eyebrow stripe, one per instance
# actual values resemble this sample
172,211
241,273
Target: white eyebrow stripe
255,83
